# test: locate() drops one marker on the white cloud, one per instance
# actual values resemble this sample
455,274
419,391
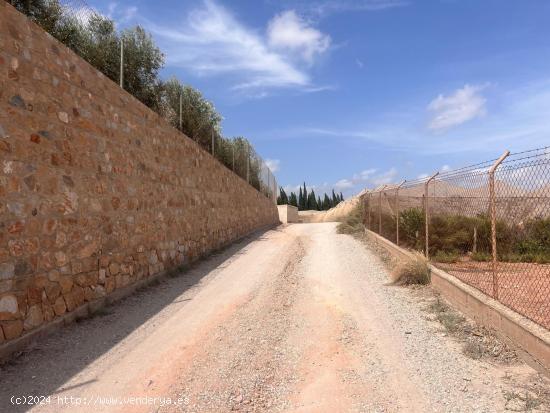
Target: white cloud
287,31
446,168
292,188
385,177
518,121
326,7
121,14
343,184
364,175
367,177
211,42
359,63
273,164
463,105
422,176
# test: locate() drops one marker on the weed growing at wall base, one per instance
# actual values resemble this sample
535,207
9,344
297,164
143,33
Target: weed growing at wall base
411,271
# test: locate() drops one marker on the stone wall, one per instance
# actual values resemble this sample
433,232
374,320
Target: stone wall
96,190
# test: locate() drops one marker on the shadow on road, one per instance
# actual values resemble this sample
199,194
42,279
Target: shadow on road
43,367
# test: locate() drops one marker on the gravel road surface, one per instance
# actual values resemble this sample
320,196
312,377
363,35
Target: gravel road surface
296,319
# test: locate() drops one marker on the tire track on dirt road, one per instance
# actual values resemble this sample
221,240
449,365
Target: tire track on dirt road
246,362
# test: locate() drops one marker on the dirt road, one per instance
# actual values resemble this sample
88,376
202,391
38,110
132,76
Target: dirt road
297,319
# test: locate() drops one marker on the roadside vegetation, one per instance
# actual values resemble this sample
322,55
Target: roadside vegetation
456,236
97,40
353,222
403,272
411,271
477,342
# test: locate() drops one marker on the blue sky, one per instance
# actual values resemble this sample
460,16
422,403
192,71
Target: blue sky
352,94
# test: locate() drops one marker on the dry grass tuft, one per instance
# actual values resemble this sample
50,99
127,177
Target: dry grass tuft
411,271
451,321
478,342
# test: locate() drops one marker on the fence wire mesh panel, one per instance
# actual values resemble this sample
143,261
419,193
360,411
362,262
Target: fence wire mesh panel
119,55
522,186
486,224
460,228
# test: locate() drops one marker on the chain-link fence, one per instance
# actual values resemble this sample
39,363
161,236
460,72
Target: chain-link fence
486,224
239,156
132,60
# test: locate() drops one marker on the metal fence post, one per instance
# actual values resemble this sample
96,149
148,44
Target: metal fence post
268,181
212,142
397,212
181,110
121,63
380,212
365,211
427,213
380,209
370,201
247,163
493,209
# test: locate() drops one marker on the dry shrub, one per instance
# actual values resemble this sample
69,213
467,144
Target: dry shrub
353,222
411,271
444,257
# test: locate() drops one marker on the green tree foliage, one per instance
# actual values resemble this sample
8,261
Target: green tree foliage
142,62
96,40
199,117
335,199
308,200
327,204
312,201
49,14
103,46
282,199
45,13
292,200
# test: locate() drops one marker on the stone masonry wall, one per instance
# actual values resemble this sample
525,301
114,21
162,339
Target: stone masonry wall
96,190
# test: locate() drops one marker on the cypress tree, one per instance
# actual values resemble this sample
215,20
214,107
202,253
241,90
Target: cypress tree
334,199
313,200
283,196
304,193
292,200
300,200
326,203
319,204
